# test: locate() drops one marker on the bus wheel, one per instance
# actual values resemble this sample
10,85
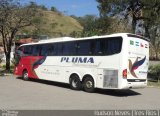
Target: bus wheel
25,75
75,82
88,84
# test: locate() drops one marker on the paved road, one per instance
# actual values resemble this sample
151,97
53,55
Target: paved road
37,95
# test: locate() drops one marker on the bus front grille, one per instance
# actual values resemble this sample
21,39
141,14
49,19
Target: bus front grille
110,79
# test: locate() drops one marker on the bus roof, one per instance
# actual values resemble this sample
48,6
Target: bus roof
63,39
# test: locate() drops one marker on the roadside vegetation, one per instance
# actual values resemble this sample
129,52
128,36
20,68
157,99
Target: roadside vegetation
154,75
3,70
153,84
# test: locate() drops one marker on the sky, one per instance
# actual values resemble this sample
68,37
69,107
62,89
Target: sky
70,7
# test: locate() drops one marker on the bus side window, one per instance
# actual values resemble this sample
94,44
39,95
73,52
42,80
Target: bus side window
50,50
27,50
35,50
84,48
69,49
59,49
99,47
43,50
113,45
55,49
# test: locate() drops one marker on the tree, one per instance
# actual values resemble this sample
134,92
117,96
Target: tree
111,15
54,9
151,11
111,7
93,25
43,7
13,18
155,42
121,9
136,10
89,23
143,16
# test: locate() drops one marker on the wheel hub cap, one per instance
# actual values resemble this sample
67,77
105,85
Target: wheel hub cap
89,84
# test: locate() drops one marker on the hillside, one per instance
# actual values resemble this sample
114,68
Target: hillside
53,24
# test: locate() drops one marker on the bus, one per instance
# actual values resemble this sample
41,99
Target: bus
116,61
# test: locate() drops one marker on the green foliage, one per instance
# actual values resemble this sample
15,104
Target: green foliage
153,83
36,21
3,66
101,25
43,7
154,72
111,7
13,17
76,34
54,9
61,25
35,6
93,25
89,22
52,24
7,71
146,11
15,61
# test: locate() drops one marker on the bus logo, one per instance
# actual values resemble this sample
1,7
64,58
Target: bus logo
131,42
77,59
138,44
135,65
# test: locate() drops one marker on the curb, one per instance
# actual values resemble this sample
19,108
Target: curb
6,74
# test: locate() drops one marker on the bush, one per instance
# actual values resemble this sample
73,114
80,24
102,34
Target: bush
54,9
4,66
154,72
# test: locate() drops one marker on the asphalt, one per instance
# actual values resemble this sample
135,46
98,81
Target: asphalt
18,94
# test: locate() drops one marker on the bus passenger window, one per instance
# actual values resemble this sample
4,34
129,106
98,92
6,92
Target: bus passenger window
27,50
50,50
113,45
55,49
35,50
99,47
83,48
59,49
69,49
43,50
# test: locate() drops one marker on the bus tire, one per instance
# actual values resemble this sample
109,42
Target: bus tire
25,75
88,84
75,82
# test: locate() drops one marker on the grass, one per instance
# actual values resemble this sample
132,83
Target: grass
154,83
64,25
3,71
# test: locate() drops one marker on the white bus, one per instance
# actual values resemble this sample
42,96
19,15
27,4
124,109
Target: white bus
117,61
